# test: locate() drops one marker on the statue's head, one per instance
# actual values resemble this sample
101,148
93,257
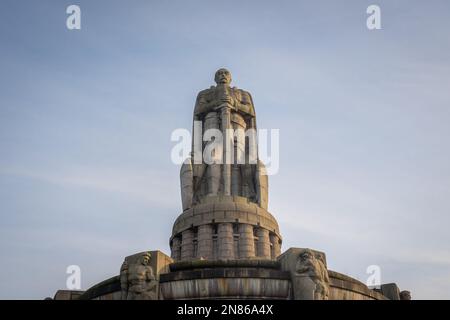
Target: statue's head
310,262
405,295
306,258
145,259
222,76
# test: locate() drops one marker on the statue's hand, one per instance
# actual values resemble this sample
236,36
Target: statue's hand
227,102
222,105
227,99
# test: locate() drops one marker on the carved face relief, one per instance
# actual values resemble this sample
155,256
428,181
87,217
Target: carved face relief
405,295
312,264
223,76
145,259
306,263
305,256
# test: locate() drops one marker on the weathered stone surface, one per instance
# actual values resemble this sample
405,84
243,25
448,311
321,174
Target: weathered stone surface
205,241
263,243
225,241
187,244
231,210
391,291
343,287
236,171
246,241
176,248
68,295
226,283
276,245
139,275
229,263
309,275
105,288
187,187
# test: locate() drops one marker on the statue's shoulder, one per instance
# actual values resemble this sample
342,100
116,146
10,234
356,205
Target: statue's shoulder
206,92
243,95
241,92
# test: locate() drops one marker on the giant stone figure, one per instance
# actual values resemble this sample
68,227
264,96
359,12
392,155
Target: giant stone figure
222,107
224,185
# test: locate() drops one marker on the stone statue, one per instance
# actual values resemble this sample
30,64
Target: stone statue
405,295
223,108
137,278
312,265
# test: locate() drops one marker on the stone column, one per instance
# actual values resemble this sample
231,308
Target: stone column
263,244
187,244
276,247
205,241
246,241
176,249
225,241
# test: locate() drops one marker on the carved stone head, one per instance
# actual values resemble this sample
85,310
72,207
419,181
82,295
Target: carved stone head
222,76
310,263
405,295
306,262
145,258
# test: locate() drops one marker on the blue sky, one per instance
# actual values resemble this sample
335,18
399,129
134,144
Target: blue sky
86,118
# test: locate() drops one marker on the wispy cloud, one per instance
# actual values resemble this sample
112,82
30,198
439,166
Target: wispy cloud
155,188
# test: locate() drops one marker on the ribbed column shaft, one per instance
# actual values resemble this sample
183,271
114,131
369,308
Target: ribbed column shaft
225,241
205,241
246,241
176,249
263,244
187,245
276,247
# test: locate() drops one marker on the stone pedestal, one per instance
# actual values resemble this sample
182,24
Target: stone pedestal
225,279
284,278
235,226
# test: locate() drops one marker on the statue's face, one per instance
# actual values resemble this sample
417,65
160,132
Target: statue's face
223,76
305,261
306,256
145,259
405,295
